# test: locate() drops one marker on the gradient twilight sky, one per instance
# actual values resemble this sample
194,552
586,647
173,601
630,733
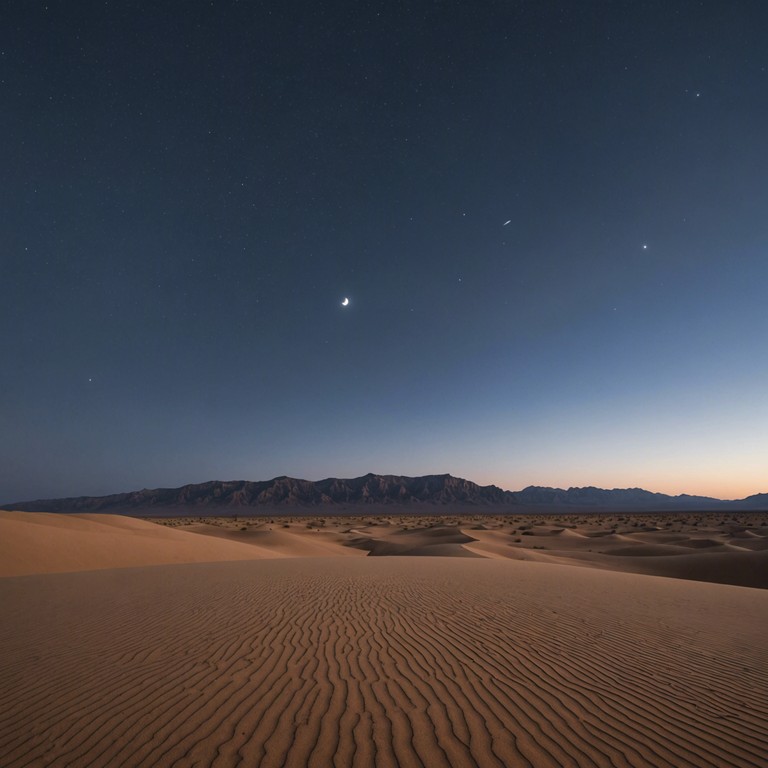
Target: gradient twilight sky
190,189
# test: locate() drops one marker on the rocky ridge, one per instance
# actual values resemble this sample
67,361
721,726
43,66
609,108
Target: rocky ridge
428,491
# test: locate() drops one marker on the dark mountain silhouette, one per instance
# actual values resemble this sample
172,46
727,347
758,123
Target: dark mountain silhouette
616,497
757,501
427,492
286,491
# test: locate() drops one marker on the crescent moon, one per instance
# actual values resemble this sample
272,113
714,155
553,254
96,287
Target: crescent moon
345,302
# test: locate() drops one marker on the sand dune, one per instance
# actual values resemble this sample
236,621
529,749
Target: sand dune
700,547
385,661
296,542
748,569
436,541
32,542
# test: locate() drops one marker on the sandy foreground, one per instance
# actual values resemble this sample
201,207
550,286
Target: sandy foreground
297,649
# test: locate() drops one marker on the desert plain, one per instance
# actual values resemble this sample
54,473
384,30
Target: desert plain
384,640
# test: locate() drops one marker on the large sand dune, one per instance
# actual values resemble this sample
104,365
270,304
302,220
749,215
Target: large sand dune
33,542
389,661
478,646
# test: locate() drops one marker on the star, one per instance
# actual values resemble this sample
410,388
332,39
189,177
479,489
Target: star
645,246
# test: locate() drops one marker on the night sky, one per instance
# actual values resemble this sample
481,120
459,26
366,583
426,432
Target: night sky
550,220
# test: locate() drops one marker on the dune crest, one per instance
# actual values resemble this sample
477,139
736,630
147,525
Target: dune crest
35,542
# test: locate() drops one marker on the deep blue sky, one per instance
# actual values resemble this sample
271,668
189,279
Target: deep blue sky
190,189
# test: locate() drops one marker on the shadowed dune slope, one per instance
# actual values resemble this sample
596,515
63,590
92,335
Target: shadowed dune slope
746,569
436,541
385,661
34,542
678,556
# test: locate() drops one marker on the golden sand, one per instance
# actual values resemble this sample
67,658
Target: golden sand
370,661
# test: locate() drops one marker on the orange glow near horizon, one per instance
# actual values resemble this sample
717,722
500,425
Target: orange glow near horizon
694,484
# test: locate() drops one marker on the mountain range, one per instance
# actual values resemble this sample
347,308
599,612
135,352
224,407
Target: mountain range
335,494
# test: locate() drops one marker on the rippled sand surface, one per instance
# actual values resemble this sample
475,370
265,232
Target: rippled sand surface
380,661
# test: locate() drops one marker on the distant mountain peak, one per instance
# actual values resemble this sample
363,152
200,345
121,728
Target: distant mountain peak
427,491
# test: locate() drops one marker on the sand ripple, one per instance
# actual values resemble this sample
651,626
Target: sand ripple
380,662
